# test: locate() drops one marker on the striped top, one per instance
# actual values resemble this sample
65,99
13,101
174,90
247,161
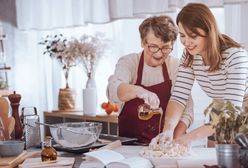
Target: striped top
229,83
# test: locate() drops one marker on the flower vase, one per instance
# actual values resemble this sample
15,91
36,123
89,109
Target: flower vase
67,99
90,98
67,96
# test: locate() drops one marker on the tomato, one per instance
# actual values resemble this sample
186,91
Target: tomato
116,108
109,108
104,105
108,111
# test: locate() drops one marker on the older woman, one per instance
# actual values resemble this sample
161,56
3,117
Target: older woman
147,77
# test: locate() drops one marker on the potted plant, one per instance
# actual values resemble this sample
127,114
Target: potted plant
227,120
86,51
67,53
92,50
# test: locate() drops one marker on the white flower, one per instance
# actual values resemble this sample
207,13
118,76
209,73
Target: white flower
87,51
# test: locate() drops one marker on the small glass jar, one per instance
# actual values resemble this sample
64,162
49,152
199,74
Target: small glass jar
48,153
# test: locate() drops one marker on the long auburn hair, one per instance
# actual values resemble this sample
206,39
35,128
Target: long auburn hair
197,15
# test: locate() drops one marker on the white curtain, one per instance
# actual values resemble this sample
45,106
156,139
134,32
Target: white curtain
49,14
236,24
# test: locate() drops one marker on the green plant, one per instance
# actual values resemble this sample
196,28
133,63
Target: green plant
227,120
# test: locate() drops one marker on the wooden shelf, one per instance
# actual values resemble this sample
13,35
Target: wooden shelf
79,115
5,68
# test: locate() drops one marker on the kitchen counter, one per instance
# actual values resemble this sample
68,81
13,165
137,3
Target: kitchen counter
195,159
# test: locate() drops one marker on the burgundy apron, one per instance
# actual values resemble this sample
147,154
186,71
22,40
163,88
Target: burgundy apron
129,123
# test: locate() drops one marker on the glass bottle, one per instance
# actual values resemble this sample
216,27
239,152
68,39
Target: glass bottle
48,153
145,112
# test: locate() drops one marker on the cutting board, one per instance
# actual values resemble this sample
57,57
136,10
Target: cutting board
9,162
61,162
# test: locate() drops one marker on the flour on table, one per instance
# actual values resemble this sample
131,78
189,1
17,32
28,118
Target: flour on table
164,150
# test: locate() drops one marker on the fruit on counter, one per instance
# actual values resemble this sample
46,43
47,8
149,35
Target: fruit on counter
109,107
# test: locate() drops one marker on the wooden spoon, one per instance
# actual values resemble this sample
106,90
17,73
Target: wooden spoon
4,112
11,126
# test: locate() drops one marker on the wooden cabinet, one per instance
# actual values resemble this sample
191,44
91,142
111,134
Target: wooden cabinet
110,122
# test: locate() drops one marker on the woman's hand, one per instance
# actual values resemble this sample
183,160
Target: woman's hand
196,134
180,129
149,98
185,139
161,139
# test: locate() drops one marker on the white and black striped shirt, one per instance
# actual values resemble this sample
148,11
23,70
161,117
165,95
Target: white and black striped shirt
229,83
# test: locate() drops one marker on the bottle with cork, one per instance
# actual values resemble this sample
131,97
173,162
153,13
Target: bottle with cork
48,153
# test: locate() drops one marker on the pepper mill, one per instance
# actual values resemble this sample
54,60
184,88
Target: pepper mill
14,103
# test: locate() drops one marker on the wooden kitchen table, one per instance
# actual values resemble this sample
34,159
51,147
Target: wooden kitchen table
196,159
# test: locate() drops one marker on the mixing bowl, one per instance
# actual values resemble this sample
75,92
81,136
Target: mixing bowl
11,148
76,134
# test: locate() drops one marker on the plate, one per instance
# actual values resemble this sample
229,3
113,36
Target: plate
103,140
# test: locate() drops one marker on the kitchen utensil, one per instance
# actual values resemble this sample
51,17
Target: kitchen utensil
11,125
66,162
59,127
11,148
242,140
4,111
104,139
31,129
75,134
13,161
2,130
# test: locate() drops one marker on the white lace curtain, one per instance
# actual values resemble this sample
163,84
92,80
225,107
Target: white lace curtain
48,14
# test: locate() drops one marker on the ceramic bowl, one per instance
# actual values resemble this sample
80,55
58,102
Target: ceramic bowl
11,148
76,134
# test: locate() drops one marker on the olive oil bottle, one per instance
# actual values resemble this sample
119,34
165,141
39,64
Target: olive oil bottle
48,153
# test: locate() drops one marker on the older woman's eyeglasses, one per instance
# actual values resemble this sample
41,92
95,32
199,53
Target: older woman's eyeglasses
154,49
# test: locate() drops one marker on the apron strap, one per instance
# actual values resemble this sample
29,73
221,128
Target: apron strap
140,70
165,71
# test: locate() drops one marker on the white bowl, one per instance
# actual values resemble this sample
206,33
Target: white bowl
11,148
76,134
